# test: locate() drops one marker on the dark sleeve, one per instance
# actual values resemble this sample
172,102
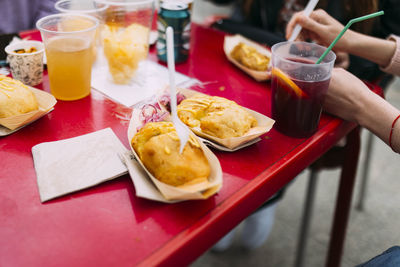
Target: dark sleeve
390,22
260,25
254,33
46,7
221,2
265,15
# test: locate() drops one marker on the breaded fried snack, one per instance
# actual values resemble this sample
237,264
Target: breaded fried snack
157,145
15,98
250,57
216,116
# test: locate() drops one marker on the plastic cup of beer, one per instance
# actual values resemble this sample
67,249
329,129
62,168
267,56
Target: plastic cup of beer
125,36
69,40
298,86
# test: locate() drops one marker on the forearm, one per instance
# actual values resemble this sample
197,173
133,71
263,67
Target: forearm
377,115
379,51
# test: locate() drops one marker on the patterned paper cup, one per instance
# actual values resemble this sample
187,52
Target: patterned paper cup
26,66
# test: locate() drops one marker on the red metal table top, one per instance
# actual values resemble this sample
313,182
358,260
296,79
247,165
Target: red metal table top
107,224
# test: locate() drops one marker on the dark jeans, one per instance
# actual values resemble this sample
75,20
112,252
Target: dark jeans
389,258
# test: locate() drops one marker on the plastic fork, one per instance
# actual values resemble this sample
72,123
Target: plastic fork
307,11
181,129
297,29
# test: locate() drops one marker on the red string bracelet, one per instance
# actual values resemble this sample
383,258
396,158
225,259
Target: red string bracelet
391,132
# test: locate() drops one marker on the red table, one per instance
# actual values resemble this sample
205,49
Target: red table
108,225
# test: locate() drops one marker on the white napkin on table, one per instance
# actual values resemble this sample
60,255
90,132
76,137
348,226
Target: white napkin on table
77,163
149,78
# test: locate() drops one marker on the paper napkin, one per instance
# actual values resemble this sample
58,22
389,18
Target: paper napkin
77,163
149,78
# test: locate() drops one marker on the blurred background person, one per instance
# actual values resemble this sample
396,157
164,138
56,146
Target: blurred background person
350,99
323,28
264,21
18,15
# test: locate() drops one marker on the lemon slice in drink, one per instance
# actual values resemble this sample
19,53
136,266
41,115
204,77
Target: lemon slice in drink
282,77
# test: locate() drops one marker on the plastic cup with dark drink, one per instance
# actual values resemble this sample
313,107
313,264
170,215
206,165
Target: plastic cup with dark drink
299,86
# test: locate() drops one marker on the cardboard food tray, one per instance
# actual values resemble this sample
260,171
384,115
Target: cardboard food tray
168,192
231,41
264,124
46,103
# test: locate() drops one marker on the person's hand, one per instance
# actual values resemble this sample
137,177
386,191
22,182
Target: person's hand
346,95
342,60
319,27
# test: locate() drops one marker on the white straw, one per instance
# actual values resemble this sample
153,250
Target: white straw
171,67
307,11
181,129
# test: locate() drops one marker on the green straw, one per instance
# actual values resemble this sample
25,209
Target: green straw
345,29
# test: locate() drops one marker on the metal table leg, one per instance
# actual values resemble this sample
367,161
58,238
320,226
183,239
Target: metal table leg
365,173
343,201
306,220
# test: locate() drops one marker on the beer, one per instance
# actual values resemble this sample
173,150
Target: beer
69,62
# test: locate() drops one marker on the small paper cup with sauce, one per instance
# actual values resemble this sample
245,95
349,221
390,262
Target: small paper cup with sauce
26,61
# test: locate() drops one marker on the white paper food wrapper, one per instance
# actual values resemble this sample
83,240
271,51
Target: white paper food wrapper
168,192
231,41
149,78
144,187
264,124
77,163
46,102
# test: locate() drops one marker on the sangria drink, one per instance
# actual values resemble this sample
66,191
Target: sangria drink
298,87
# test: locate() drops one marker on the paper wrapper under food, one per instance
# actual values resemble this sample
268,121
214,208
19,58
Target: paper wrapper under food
46,102
264,124
171,193
231,41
